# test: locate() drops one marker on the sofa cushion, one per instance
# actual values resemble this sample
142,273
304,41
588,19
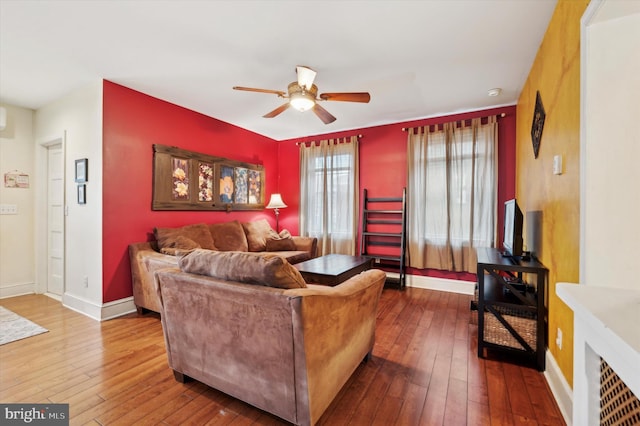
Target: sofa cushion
252,268
280,244
229,236
197,233
258,232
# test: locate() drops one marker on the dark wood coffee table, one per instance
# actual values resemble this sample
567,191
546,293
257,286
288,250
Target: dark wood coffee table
332,269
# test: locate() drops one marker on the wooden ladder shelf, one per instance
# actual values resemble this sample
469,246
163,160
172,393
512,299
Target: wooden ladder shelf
384,229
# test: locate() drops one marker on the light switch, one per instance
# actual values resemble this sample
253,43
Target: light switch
557,165
8,209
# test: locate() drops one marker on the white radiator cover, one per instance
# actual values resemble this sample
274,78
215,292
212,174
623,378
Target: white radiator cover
605,325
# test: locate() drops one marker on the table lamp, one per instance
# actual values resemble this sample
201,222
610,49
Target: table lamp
276,203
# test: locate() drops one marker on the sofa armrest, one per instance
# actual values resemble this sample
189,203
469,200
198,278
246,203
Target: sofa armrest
145,260
339,332
308,244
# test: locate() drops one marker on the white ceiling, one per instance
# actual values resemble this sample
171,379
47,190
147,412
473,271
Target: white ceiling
416,58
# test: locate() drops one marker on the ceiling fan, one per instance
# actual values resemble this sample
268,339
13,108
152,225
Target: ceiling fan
303,96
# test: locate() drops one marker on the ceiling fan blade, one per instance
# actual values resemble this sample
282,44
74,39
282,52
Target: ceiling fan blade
305,76
363,97
253,89
277,111
323,114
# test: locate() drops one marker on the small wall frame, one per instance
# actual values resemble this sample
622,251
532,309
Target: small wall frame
82,194
82,170
186,180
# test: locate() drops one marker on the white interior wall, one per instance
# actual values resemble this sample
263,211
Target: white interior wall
77,116
17,248
611,149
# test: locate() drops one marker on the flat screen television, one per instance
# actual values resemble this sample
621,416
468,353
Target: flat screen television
512,240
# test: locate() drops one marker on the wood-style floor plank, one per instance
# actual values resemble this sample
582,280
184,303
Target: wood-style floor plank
518,397
424,371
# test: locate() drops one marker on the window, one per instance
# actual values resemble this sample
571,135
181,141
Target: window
329,195
452,194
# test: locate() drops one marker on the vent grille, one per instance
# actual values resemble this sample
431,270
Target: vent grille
618,405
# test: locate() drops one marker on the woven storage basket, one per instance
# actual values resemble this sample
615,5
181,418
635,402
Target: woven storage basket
523,322
495,332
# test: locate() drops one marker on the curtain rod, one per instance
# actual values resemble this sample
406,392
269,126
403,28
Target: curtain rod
344,137
502,115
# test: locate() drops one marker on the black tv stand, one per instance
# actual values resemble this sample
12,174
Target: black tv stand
512,314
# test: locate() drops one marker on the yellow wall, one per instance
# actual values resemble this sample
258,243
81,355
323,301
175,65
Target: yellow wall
556,74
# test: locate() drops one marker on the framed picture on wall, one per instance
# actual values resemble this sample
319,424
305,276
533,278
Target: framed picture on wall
255,187
240,185
82,170
82,194
226,184
205,181
180,179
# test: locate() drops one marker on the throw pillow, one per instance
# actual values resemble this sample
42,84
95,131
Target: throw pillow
229,236
284,234
250,268
199,233
178,245
257,233
281,244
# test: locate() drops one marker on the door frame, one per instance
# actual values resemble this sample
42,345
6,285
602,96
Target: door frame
41,211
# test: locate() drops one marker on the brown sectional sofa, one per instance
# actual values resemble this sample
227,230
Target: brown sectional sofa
261,334
255,237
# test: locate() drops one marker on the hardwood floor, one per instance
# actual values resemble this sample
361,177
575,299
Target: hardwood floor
424,371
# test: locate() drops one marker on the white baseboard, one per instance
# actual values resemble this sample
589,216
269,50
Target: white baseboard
560,389
17,289
101,312
118,308
54,296
441,284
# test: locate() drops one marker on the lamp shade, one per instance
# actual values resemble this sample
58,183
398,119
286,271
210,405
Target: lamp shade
276,202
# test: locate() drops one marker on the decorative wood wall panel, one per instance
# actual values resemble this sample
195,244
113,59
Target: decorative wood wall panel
186,180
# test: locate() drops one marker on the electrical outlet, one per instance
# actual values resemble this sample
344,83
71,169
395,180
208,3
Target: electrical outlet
85,280
559,338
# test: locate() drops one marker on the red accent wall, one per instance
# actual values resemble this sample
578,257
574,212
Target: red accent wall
132,124
383,168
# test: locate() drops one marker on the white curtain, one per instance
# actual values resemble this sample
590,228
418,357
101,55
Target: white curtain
452,193
329,194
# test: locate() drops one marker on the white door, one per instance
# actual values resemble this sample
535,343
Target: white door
55,219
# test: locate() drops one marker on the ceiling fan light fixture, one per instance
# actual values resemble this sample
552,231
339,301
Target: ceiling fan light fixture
303,96
302,101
